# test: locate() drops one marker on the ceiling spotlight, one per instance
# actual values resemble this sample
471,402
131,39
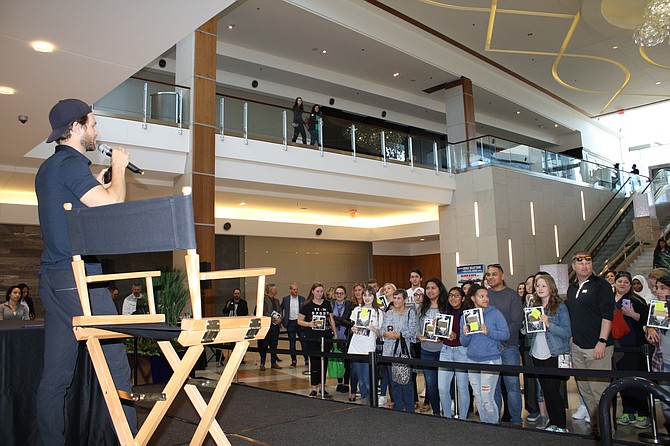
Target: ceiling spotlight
396,74
6,90
518,112
231,26
353,213
422,239
324,51
615,47
658,83
43,47
242,203
556,125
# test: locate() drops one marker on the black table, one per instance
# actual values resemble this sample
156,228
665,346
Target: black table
21,352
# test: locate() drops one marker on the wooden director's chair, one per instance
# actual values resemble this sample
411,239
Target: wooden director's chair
155,225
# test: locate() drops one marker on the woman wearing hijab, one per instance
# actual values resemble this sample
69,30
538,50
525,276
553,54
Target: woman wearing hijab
641,288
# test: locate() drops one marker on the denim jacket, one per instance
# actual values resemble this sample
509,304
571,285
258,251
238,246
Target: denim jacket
558,333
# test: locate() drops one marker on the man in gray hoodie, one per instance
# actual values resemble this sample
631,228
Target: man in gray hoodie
508,302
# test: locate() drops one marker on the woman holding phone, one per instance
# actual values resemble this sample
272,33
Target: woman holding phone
634,308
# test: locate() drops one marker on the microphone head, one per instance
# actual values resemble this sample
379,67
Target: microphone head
105,149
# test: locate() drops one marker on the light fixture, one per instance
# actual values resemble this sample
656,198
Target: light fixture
658,82
6,90
511,258
558,254
615,47
242,203
556,125
581,193
654,28
43,47
476,219
532,218
422,239
518,112
458,258
231,26
396,74
324,51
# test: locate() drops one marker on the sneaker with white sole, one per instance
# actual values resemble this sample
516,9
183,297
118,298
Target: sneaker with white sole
561,430
542,422
581,413
626,419
533,417
642,422
382,401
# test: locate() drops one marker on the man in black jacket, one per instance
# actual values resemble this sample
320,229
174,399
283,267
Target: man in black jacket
236,306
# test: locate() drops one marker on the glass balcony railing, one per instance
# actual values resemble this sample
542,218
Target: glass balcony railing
168,104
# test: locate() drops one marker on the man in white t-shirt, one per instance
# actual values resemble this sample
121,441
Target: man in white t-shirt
130,302
415,279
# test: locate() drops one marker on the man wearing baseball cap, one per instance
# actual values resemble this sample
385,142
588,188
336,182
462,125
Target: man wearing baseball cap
65,177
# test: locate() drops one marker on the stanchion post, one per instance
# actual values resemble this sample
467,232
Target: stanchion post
323,370
447,405
652,437
373,378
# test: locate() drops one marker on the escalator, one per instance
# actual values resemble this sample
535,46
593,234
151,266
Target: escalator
611,238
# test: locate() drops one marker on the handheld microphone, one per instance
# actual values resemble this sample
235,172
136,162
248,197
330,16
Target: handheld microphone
105,149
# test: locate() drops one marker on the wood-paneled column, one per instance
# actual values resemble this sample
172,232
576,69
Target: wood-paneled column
203,129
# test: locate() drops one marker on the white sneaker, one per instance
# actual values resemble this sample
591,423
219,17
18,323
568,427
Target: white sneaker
581,413
587,419
382,401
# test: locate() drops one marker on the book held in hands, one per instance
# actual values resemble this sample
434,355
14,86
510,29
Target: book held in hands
443,325
658,314
533,323
363,318
319,322
429,330
474,319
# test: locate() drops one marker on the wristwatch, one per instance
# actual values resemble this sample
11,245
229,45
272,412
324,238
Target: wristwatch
603,340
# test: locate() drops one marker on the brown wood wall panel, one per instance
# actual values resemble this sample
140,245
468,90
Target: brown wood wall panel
203,208
205,239
205,50
395,269
203,149
204,100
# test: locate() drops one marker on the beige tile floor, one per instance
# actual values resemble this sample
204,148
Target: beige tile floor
296,380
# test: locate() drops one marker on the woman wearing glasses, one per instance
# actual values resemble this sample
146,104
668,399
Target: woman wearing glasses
453,351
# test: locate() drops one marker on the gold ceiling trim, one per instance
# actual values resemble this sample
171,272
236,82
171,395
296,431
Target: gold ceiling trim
645,56
493,10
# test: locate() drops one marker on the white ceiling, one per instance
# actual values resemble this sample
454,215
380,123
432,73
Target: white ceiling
100,44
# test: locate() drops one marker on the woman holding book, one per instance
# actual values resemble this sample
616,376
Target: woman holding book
342,308
356,300
316,316
547,345
634,310
660,337
483,328
453,351
399,322
435,301
367,322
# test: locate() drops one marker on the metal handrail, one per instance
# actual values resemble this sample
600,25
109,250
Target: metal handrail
630,242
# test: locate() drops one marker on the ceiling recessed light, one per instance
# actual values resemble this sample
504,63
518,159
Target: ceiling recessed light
518,112
231,26
396,74
243,203
422,239
556,125
658,83
615,47
324,51
6,90
43,47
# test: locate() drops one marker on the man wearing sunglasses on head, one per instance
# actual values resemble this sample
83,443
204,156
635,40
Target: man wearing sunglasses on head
591,305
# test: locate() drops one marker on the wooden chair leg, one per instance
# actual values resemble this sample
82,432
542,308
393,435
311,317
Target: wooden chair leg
208,420
171,389
109,393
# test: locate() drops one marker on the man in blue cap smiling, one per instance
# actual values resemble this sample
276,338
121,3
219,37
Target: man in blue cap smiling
65,177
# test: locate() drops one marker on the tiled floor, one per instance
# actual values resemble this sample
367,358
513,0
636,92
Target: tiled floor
296,380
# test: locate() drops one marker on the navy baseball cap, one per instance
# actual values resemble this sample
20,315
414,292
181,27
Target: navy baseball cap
63,114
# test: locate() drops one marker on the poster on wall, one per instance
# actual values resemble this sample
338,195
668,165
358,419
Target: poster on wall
470,272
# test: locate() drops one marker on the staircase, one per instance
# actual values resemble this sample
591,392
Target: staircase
643,263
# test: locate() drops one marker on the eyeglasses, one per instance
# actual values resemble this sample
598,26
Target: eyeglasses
581,259
339,292
454,295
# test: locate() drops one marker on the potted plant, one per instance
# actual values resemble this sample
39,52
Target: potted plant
171,295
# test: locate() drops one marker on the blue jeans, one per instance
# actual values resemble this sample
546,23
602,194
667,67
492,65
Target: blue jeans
483,383
362,371
403,395
510,356
430,376
444,377
294,330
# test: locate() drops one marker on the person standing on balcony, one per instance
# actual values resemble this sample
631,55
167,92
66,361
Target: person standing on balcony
314,124
298,123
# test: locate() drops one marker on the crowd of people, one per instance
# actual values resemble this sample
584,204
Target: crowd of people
491,325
